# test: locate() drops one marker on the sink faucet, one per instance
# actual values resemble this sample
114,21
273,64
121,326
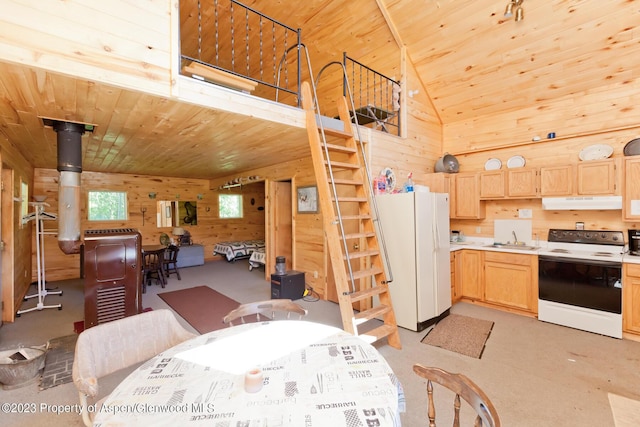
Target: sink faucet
515,237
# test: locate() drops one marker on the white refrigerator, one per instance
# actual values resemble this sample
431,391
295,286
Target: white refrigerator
416,240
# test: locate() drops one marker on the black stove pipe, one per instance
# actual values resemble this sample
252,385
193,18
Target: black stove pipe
69,137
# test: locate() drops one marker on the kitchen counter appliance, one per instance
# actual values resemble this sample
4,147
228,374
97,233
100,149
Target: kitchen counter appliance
634,242
580,280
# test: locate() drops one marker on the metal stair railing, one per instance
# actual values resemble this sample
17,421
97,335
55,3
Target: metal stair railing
368,175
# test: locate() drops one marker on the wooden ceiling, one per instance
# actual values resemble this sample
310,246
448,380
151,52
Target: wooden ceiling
470,59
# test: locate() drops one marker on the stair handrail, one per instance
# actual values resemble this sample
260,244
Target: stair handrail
376,216
316,107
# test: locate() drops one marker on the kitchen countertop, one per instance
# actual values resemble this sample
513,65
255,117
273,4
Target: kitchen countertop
482,243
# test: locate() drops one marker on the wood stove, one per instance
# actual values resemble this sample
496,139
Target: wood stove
113,275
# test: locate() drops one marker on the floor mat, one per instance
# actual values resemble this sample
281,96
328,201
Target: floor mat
461,334
58,362
201,306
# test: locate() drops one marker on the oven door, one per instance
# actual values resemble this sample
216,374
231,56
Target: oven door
584,283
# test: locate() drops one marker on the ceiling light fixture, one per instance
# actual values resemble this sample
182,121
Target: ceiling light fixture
517,4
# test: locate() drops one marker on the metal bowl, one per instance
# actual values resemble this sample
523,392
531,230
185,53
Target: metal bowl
447,163
20,366
632,148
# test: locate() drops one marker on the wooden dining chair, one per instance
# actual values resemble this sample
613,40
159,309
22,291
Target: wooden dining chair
486,414
170,262
109,347
273,309
152,270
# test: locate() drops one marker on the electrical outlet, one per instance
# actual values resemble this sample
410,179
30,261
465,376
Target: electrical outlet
525,213
315,274
478,230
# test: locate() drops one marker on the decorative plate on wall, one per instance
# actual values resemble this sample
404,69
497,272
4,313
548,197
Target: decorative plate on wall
492,165
516,162
596,152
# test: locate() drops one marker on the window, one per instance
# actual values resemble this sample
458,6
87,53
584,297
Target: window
24,197
24,202
230,205
107,205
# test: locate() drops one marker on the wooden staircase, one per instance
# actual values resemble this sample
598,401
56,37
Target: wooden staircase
344,196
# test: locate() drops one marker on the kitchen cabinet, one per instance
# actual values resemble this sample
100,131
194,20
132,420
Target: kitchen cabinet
597,177
517,183
522,183
587,178
556,181
631,298
631,192
469,264
510,280
441,182
467,197
492,184
456,293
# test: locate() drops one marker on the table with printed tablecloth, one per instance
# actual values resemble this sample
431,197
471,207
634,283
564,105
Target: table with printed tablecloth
313,375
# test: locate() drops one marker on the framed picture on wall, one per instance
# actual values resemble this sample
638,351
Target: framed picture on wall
308,199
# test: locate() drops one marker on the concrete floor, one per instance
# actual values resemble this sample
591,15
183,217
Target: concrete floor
536,374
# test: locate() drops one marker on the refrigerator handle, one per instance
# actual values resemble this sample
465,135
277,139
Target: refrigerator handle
436,233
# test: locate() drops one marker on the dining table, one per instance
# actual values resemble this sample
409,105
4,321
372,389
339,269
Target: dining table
276,373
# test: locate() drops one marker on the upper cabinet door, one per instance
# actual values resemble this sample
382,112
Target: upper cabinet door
631,197
468,203
556,181
597,177
522,183
492,185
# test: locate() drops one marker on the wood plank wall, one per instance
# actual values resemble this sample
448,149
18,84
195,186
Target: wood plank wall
209,230
16,257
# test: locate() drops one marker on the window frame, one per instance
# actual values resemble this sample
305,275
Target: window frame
124,207
241,207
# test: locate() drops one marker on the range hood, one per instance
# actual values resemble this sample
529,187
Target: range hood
582,203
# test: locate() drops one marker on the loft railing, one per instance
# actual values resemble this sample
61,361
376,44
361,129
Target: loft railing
376,97
228,43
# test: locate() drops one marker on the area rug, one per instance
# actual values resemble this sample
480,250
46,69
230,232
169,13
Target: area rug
461,334
58,362
201,306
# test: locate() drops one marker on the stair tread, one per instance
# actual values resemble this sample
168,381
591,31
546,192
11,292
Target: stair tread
366,293
343,181
378,333
366,273
358,235
361,254
351,199
341,148
373,312
352,217
344,165
337,133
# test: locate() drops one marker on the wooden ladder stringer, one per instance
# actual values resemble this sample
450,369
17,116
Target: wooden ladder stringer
349,227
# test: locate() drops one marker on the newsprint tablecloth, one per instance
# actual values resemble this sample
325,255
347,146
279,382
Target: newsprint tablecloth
314,375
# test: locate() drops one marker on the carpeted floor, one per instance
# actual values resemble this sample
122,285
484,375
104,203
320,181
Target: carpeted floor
201,306
462,334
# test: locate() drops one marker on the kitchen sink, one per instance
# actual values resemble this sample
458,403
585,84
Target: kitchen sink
513,246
